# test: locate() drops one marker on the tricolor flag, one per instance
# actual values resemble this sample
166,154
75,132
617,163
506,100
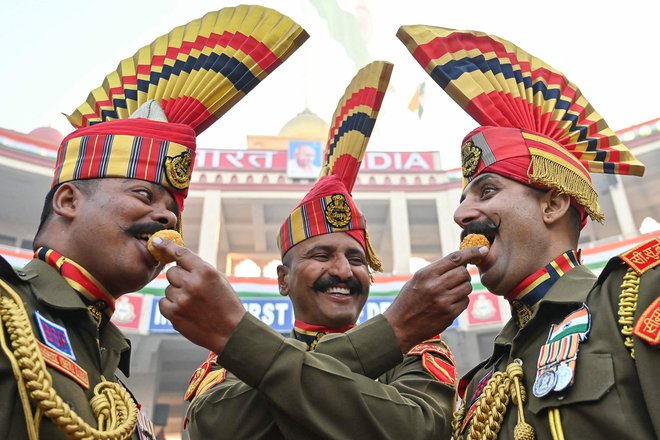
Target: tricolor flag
416,103
577,322
347,28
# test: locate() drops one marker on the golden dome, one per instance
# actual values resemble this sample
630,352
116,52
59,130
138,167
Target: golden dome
306,125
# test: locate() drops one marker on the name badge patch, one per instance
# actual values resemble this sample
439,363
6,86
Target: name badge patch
64,365
55,336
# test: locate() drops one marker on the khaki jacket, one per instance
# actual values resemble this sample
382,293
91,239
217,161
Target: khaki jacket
355,385
613,395
42,289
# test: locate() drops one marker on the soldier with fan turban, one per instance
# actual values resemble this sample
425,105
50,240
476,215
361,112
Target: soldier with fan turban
121,176
579,358
354,382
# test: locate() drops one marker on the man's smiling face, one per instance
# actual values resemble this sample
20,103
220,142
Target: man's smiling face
327,279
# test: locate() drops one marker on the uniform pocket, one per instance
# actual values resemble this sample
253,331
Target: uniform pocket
594,377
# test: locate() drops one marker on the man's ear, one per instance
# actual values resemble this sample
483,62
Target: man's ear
555,206
283,279
66,200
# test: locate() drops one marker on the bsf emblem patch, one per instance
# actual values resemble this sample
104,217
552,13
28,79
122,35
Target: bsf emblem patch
178,170
470,156
338,213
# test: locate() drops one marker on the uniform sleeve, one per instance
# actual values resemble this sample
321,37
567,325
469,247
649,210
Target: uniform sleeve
616,278
370,349
231,410
313,395
244,412
647,350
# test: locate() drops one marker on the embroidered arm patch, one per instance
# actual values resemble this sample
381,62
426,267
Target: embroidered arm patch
439,368
647,326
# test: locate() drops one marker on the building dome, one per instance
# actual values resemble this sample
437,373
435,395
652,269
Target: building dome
47,134
306,125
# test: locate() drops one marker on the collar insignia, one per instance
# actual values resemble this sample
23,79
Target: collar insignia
523,313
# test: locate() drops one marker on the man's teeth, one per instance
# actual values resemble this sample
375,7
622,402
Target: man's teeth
338,291
143,236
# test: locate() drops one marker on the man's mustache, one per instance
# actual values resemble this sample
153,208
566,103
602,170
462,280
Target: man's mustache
145,228
325,283
484,227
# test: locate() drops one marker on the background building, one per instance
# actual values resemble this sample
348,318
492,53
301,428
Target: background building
237,202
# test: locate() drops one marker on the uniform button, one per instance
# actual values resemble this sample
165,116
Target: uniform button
20,273
562,397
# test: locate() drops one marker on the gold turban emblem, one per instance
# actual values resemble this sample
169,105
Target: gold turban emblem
470,155
338,213
178,169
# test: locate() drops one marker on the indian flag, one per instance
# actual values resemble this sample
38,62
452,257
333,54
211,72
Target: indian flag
578,321
416,103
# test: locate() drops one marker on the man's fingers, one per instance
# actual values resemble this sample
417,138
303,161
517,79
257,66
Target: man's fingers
471,255
181,255
474,254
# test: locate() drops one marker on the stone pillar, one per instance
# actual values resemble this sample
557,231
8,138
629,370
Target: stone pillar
400,232
446,203
209,234
622,209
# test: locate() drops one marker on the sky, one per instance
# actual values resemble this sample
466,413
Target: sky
56,52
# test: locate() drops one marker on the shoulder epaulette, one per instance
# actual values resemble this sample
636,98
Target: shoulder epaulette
435,345
643,257
640,259
199,375
437,359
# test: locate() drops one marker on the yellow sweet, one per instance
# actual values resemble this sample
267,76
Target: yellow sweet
474,240
167,234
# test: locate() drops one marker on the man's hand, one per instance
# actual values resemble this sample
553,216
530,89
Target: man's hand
199,302
430,301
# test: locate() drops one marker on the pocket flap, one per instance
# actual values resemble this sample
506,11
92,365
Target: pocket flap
594,377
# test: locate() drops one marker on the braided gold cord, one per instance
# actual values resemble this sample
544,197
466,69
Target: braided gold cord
522,430
491,408
628,307
457,421
115,409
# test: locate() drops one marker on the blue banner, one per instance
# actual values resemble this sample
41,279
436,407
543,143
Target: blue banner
275,312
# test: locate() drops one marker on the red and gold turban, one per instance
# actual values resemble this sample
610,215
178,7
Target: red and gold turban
329,206
536,126
194,74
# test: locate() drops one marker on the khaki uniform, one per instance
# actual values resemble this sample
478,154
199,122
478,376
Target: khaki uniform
354,385
613,395
44,290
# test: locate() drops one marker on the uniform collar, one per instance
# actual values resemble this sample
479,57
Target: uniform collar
311,334
79,279
525,297
567,294
51,288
